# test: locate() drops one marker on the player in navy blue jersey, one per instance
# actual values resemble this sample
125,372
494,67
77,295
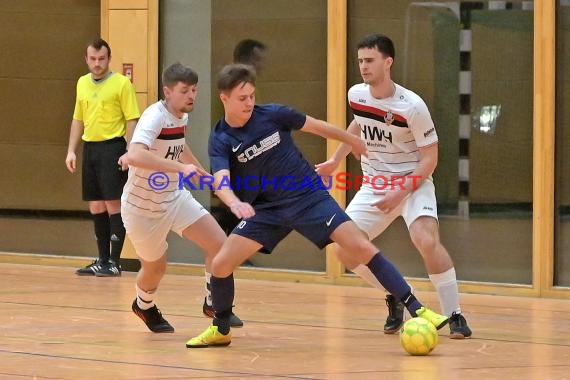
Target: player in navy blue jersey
253,143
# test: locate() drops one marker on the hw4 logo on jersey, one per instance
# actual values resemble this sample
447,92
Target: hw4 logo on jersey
174,152
262,146
375,133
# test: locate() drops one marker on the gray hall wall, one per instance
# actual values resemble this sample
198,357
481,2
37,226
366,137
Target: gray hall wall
185,31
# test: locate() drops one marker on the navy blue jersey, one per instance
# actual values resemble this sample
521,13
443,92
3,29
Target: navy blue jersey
266,167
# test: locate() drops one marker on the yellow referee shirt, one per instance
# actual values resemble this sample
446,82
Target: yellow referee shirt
104,107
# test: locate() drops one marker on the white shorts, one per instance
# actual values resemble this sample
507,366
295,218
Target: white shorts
148,234
421,202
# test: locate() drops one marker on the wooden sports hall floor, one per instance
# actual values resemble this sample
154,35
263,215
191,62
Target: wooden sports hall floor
55,325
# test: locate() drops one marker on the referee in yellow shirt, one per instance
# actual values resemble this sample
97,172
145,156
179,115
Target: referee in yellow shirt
106,112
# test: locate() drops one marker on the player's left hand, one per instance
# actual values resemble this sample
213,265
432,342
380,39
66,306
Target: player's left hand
242,210
326,169
390,200
124,162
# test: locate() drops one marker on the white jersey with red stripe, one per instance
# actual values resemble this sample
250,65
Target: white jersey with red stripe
393,129
150,192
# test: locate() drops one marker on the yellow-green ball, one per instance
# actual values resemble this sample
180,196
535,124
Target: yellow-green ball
418,336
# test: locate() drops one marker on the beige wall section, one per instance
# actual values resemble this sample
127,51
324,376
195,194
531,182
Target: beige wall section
131,28
37,96
124,25
128,4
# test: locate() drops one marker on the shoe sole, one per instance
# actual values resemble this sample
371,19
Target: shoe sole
209,345
154,331
107,275
393,331
85,274
162,331
458,336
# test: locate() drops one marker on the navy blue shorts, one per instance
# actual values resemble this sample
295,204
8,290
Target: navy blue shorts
316,220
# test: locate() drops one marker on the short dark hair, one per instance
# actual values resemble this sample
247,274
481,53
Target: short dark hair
382,43
177,72
244,51
233,75
99,43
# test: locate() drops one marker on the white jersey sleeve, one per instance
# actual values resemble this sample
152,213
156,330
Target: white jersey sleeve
148,127
422,126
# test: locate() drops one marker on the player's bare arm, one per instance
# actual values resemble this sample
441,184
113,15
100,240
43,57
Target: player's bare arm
242,210
75,133
329,131
140,156
131,124
328,167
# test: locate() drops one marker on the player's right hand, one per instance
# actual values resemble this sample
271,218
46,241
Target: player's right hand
70,161
191,168
242,210
359,148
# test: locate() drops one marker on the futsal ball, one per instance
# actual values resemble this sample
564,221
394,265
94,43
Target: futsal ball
418,336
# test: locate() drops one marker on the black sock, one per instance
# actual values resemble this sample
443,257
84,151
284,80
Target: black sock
222,301
102,234
117,236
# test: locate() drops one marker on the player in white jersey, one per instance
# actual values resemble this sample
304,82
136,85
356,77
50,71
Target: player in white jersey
153,202
403,149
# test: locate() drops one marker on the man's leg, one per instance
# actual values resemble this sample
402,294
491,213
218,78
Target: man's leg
110,180
355,242
102,235
117,229
424,232
207,234
235,250
148,279
373,223
148,236
116,237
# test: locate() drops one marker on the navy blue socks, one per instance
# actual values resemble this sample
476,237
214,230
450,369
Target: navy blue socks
393,282
222,301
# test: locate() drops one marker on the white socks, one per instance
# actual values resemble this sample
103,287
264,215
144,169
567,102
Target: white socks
145,300
208,289
446,285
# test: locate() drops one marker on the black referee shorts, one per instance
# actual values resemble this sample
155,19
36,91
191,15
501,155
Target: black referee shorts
102,176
